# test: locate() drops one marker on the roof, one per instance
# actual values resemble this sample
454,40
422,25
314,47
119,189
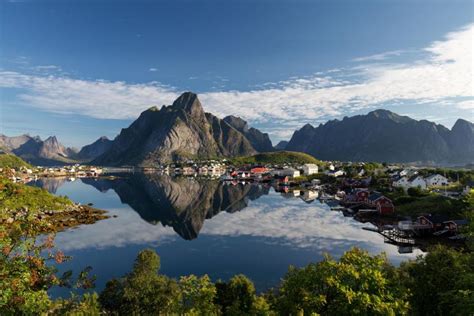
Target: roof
434,175
375,196
436,219
311,165
413,177
458,222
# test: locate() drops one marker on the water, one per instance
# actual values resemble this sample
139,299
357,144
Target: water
205,227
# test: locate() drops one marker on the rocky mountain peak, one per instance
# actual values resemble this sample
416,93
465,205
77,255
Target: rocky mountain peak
237,122
189,102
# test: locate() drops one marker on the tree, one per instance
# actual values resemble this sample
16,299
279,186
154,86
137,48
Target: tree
357,284
441,282
197,295
238,297
143,291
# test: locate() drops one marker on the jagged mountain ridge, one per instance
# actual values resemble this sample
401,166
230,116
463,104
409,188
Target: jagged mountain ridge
36,151
382,135
176,132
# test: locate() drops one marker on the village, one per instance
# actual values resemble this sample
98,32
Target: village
368,192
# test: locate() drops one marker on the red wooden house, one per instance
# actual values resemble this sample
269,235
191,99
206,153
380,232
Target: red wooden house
382,203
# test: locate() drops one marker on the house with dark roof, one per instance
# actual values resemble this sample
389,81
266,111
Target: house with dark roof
382,203
435,222
455,225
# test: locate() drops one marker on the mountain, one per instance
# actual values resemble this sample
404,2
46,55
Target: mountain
36,151
382,135
94,150
181,203
281,145
260,141
174,133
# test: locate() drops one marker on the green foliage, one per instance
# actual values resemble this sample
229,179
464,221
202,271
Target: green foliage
468,231
277,158
27,271
16,196
416,192
431,203
13,162
441,283
143,291
358,284
197,295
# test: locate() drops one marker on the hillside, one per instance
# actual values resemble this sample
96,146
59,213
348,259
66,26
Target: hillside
12,162
278,157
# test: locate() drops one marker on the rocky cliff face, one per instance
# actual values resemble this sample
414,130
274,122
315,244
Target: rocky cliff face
260,141
176,132
94,150
385,136
37,151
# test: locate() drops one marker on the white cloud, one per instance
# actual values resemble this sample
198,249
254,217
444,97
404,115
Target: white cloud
446,73
378,57
153,69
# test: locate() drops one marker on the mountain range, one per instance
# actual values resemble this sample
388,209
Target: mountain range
184,131
382,135
37,151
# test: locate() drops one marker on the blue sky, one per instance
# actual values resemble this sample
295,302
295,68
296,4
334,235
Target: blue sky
82,69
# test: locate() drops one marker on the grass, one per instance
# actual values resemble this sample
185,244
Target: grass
12,162
277,158
15,196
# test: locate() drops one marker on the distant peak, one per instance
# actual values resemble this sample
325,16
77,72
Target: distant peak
189,102
153,108
51,139
103,138
382,113
307,126
463,124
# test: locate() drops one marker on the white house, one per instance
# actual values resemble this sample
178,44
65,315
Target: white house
436,180
310,168
336,173
331,167
401,183
417,182
290,172
413,182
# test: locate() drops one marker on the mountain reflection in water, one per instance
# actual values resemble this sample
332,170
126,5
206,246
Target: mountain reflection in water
182,203
242,228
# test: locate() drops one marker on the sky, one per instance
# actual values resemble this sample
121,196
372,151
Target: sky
80,69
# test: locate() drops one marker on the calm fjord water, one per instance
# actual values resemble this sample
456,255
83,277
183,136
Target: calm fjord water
205,227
